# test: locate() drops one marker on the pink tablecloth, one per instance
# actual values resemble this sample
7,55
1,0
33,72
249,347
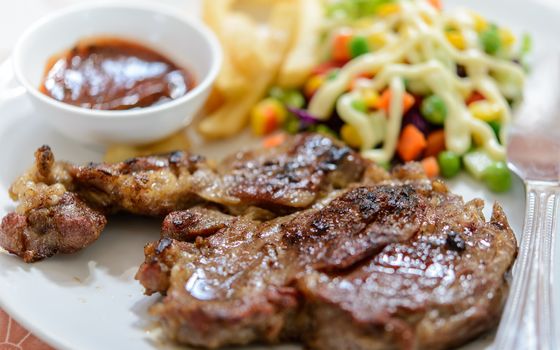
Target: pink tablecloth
15,337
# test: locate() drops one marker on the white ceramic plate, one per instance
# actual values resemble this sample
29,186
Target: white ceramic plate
90,300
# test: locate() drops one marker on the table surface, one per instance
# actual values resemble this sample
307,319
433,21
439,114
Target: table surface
15,17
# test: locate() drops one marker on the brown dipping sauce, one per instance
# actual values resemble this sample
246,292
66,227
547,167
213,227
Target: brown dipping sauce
114,74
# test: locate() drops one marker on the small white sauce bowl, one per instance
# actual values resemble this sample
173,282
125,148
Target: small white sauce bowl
184,40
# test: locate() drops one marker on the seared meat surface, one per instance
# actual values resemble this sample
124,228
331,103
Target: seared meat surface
266,182
49,218
285,178
357,224
188,224
400,264
307,242
153,185
292,175
65,226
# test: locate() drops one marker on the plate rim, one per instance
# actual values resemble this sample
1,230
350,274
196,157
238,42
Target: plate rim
58,341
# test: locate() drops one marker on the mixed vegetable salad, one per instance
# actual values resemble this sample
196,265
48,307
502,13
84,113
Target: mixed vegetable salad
405,81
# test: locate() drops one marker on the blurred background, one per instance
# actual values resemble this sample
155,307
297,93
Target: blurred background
16,16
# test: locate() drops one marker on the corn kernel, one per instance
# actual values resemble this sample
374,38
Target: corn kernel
403,29
478,139
388,9
507,37
485,110
371,98
351,136
313,84
377,40
363,23
267,116
480,23
427,19
456,39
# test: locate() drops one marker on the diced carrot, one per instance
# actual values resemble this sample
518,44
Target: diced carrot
385,101
325,67
436,3
431,166
411,143
408,102
271,121
267,116
274,140
475,96
341,47
367,75
435,143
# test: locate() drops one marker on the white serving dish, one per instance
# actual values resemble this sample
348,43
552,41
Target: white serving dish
185,40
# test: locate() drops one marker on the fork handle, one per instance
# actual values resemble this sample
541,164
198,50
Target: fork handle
528,321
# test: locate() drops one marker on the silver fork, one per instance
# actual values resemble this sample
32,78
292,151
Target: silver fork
529,321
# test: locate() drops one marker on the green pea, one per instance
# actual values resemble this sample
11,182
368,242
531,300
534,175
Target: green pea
358,46
385,165
434,110
490,40
276,92
292,125
325,130
497,177
360,105
449,163
293,98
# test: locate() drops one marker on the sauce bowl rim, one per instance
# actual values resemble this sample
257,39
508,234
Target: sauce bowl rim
202,84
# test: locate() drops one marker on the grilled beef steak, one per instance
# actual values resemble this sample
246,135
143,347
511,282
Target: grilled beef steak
292,175
49,218
64,226
288,177
153,185
267,182
307,242
399,264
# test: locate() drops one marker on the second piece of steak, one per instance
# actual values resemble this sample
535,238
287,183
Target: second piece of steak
396,265
280,179
152,185
267,182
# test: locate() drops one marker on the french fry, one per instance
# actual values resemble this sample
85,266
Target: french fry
229,82
234,114
244,42
303,54
175,142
